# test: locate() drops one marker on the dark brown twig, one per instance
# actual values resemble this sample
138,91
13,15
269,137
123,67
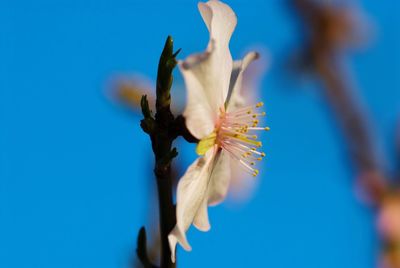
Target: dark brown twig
163,128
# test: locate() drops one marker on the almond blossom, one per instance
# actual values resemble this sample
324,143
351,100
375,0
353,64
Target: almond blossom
217,116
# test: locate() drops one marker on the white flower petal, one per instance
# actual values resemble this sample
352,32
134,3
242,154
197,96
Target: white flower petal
207,75
242,185
191,195
220,179
201,221
221,22
235,99
200,118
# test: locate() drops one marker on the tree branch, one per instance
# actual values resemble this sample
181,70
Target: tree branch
162,131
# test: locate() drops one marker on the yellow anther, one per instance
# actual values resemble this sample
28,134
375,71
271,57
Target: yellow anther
254,137
259,104
267,128
249,112
263,113
252,163
259,158
259,144
263,154
254,115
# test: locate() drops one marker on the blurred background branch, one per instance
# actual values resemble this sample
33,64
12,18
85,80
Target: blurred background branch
329,30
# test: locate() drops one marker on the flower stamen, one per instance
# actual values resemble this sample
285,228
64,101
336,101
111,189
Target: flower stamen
232,134
235,136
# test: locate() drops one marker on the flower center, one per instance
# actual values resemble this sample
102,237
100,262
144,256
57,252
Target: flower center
234,133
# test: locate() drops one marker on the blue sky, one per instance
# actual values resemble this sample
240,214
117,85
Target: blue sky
75,168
